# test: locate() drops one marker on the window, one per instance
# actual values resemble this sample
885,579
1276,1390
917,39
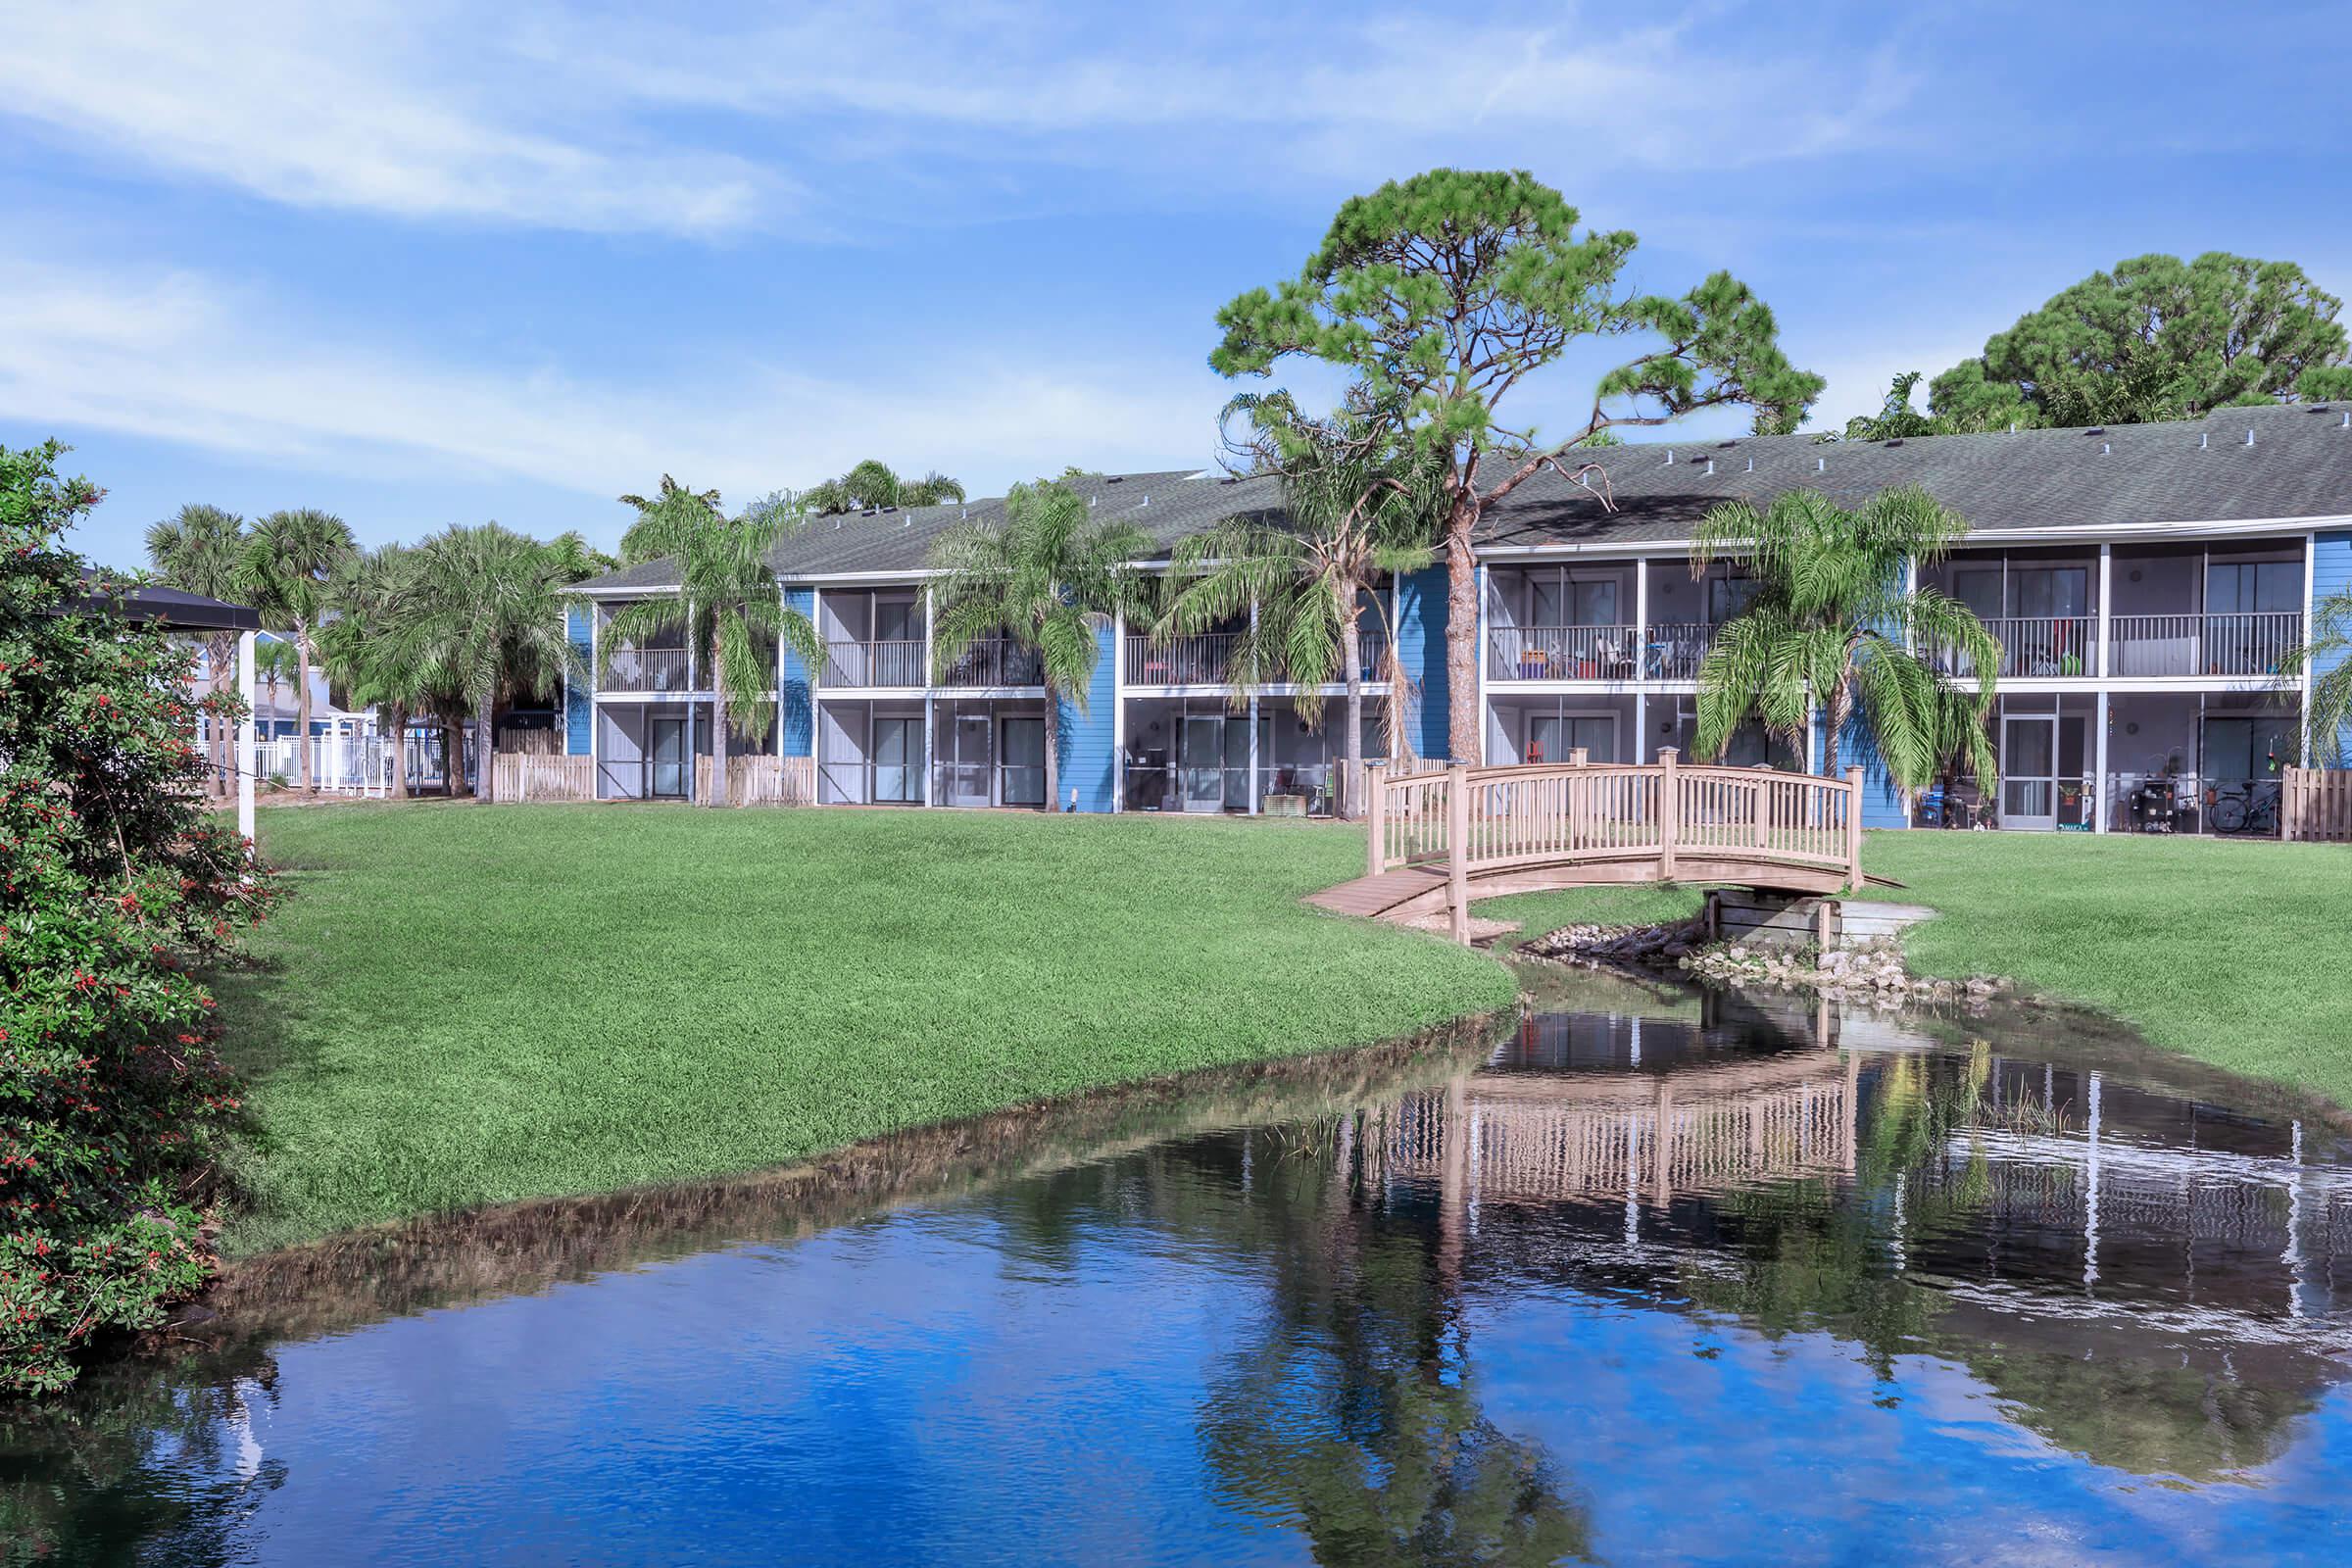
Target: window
2239,587
1727,597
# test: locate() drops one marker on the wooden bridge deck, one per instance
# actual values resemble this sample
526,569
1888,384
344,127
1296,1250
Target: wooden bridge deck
1435,840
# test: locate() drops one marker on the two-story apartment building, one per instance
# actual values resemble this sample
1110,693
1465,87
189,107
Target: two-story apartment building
2143,581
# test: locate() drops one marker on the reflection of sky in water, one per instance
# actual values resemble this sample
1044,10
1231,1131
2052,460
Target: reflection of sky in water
902,1391
1064,1368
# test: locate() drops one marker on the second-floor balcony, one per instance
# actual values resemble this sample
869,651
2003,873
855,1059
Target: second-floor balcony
894,664
1206,660
645,669
2237,643
2247,643
1661,650
993,662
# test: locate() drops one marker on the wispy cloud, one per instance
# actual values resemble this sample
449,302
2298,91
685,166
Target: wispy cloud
410,111
832,116
185,358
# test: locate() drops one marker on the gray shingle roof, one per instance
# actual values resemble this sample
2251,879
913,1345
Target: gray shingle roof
2300,465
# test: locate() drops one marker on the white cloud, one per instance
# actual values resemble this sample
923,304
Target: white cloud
836,118
179,358
402,110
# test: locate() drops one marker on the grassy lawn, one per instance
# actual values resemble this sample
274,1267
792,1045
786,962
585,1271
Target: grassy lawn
465,1005
2234,952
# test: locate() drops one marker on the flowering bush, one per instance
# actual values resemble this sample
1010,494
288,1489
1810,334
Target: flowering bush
113,885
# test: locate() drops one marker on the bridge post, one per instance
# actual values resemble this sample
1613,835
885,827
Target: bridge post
1670,811
1375,786
1853,829
1457,851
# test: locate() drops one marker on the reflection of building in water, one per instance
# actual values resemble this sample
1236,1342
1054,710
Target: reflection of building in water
2012,1185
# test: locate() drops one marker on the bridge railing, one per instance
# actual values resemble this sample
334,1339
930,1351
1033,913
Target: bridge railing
1473,819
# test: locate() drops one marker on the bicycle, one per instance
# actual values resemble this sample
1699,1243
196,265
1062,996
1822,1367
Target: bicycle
2244,808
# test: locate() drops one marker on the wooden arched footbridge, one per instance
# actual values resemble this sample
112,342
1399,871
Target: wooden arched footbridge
1438,839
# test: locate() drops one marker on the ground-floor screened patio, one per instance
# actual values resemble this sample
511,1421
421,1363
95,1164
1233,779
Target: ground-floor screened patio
961,750
1615,727
659,751
1202,754
2171,762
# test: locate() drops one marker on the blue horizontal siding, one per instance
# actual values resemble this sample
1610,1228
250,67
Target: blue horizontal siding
579,698
1421,651
799,716
1087,758
2330,574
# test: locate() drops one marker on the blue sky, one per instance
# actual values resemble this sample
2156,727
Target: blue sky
426,263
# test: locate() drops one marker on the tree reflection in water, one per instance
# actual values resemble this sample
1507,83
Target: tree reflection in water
1355,1417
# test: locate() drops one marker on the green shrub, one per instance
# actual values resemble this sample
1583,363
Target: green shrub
114,884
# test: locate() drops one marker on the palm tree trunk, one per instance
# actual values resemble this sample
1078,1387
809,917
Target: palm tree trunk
453,754
486,753
1053,748
301,701
398,789
1350,654
718,752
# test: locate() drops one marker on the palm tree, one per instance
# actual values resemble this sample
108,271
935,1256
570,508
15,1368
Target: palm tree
288,558
491,623
2326,653
729,605
273,664
199,549
1832,626
875,483
367,646
1353,514
1035,578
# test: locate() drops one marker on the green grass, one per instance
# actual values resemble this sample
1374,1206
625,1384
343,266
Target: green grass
465,1005
2239,953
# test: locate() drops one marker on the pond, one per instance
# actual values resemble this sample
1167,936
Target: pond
1644,1274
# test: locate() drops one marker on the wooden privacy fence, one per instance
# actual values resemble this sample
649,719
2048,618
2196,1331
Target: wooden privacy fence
761,780
1657,820
527,776
2314,805
751,780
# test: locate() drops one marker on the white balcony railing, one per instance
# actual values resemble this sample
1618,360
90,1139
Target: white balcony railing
995,661
1562,653
645,669
2034,645
2237,643
1200,659
875,663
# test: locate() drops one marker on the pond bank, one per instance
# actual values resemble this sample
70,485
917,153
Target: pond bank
2233,952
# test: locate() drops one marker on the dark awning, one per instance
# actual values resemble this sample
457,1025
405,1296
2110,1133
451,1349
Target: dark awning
169,607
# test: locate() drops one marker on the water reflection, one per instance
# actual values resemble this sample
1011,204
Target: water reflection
1644,1273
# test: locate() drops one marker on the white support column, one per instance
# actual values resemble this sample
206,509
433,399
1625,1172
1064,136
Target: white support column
2100,805
245,738
2106,614
1253,789
1119,711
1641,631
1641,725
930,760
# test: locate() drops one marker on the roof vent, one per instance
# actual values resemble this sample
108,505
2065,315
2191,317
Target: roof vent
1670,454
2250,435
2096,429
1751,465
1114,478
1711,468
2347,425
1894,441
1820,465
2204,438
2106,448
1147,500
